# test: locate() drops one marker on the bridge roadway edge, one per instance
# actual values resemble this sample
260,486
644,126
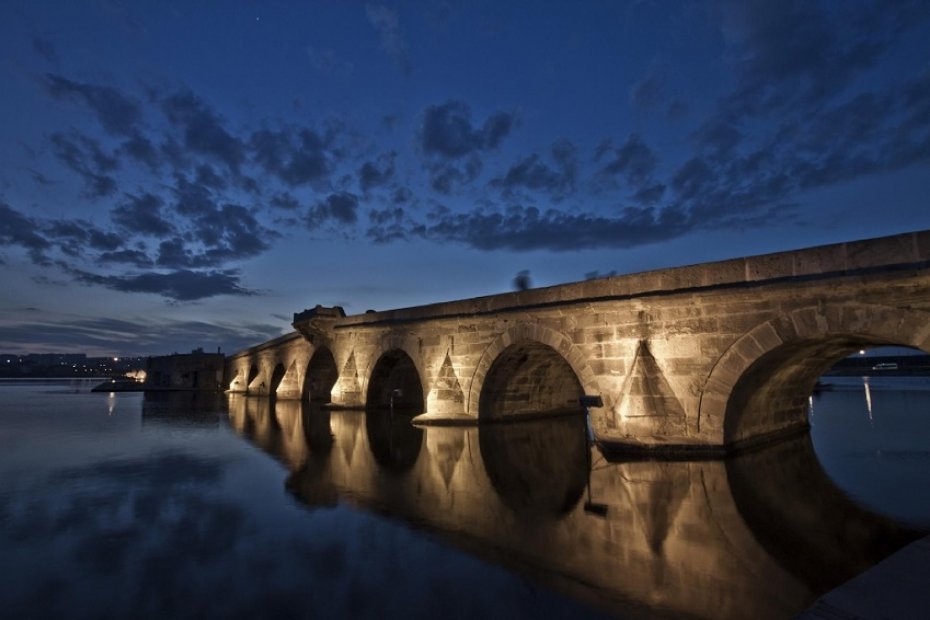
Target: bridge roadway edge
669,292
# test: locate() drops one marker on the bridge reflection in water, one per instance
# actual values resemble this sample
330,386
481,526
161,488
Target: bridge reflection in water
756,535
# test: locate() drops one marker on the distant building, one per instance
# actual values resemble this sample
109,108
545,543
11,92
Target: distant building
185,371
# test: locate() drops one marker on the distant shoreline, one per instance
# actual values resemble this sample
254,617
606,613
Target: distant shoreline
885,366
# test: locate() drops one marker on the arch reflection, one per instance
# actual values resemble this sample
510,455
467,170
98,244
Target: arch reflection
394,441
318,430
539,468
810,526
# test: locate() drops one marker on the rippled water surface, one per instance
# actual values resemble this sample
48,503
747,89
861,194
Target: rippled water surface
176,505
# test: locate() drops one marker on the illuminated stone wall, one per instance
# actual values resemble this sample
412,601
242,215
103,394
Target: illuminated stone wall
708,355
253,371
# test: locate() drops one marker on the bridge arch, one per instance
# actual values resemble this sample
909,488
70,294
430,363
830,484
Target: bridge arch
395,370
320,377
529,338
252,376
277,376
760,385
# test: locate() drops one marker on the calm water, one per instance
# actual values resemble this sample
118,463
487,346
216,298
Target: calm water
131,506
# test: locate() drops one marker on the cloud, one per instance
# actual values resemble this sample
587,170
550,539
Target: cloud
177,285
232,233
86,157
296,162
391,224
676,109
633,160
117,113
213,234
136,258
533,173
526,228
143,215
452,143
648,93
386,22
867,134
447,130
77,237
719,137
203,129
496,128
649,195
379,172
447,176
193,199
18,230
792,51
401,195
285,201
207,176
45,49
40,179
150,335
328,62
339,207
141,149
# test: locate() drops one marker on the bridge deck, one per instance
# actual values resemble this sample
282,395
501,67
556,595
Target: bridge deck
828,261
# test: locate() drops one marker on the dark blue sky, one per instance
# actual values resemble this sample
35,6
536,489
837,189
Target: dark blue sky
189,174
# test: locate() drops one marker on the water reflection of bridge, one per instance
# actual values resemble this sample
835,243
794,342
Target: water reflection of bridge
758,535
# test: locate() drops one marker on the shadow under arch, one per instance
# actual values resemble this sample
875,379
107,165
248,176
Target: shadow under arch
318,430
759,387
527,379
277,376
253,374
322,374
532,333
539,468
395,383
804,521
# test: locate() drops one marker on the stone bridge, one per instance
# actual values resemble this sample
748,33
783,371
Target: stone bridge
713,356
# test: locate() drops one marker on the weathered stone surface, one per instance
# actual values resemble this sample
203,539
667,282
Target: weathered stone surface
922,243
861,254
769,267
761,325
